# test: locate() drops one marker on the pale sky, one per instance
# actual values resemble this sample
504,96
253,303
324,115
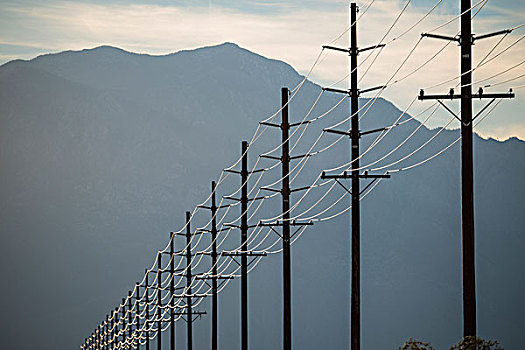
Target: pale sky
292,31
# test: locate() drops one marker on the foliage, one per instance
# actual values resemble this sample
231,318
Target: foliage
412,344
475,343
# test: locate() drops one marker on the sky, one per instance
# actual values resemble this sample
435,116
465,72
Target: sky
294,31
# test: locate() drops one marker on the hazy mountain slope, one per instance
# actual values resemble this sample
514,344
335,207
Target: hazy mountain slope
102,151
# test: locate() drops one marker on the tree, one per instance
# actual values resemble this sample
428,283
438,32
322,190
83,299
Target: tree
475,343
412,344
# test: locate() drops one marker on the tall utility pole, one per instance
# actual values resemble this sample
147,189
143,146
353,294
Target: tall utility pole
189,276
287,307
188,283
137,318
214,335
244,241
285,194
244,246
355,135
214,274
172,291
466,40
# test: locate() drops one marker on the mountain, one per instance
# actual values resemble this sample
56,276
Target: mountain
102,151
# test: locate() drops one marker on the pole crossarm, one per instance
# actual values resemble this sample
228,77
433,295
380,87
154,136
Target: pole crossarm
211,208
359,91
490,35
240,200
281,223
368,132
270,157
209,277
350,50
479,95
441,37
361,133
299,123
473,38
333,131
242,253
211,231
346,175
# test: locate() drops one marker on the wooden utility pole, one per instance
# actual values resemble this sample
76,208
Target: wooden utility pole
244,253
214,277
466,40
355,193
285,223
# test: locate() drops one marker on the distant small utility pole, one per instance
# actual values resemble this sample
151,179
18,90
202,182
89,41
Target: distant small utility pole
214,274
188,312
466,40
355,134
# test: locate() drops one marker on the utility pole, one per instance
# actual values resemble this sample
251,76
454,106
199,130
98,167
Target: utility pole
123,322
130,322
146,322
214,337
137,312
159,301
244,247
189,315
214,274
466,40
285,194
106,333
244,253
97,332
355,176
137,318
172,291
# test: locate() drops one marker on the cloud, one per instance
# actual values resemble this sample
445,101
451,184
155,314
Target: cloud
295,36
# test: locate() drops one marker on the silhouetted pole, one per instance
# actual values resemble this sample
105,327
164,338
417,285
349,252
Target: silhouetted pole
213,277
467,174
146,323
287,308
106,333
189,313
172,291
244,246
466,40
97,332
130,326
123,322
159,301
214,301
355,192
355,313
137,312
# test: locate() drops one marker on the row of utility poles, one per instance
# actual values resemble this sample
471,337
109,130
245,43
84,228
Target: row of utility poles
106,335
